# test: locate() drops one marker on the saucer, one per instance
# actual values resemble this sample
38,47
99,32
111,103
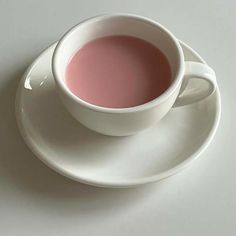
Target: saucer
88,157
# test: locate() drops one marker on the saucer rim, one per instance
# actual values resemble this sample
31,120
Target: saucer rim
111,184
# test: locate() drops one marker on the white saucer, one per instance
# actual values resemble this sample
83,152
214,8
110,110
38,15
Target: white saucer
80,154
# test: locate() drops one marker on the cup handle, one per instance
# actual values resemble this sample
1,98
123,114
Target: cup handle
201,73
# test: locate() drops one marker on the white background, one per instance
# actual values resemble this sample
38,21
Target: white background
34,200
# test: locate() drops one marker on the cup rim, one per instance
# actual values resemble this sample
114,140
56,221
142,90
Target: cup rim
148,105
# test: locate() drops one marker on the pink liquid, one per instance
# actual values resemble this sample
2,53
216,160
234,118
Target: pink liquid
118,72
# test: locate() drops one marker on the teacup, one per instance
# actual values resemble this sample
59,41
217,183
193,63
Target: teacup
128,121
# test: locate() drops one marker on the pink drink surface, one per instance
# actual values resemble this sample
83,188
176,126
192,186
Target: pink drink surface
118,72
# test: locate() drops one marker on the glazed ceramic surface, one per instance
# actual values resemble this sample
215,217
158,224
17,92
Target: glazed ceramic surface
128,121
85,156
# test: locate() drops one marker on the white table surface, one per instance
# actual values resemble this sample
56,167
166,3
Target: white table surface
34,200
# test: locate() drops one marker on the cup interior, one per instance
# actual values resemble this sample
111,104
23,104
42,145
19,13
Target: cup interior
109,25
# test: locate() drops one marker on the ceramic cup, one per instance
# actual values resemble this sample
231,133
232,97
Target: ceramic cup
127,121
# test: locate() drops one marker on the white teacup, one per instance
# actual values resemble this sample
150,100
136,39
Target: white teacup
127,121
